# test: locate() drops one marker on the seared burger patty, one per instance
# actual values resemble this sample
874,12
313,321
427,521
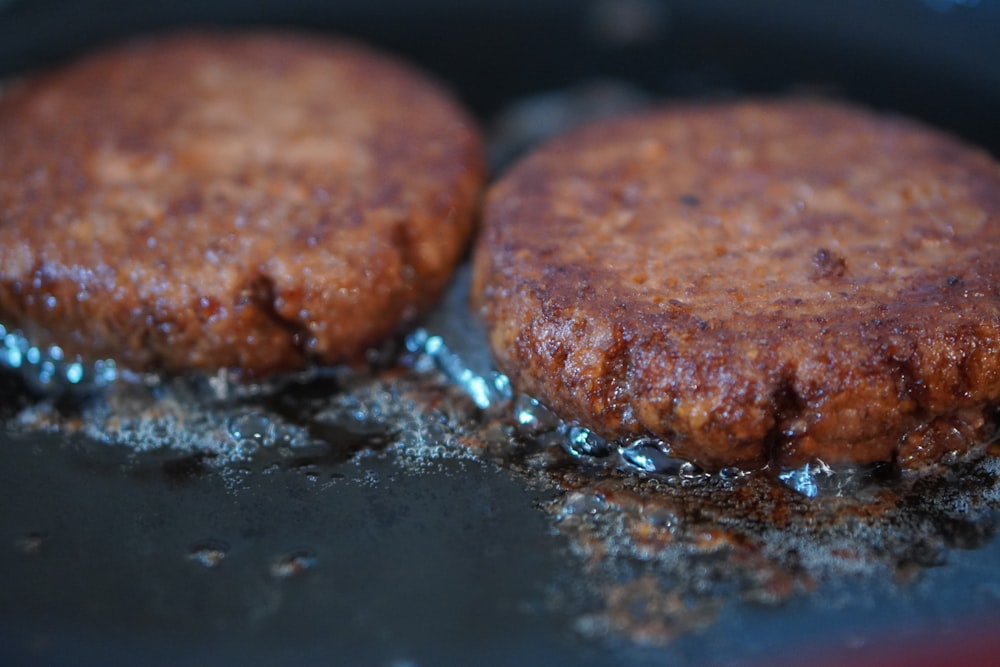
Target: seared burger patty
759,282
250,201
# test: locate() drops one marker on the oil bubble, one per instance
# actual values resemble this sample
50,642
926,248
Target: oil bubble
658,515
584,442
807,479
819,478
293,564
689,470
579,503
533,418
12,355
252,428
432,352
502,386
732,473
47,368
650,455
209,553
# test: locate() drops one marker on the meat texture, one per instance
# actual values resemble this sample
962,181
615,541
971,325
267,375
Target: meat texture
252,201
763,282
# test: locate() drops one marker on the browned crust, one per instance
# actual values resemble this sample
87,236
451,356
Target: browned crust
254,201
759,282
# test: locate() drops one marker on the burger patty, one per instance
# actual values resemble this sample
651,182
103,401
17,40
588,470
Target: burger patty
769,282
250,201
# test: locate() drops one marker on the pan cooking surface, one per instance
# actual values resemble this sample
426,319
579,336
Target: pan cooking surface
388,519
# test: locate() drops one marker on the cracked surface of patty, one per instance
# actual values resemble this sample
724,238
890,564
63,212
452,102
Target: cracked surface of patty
254,201
759,282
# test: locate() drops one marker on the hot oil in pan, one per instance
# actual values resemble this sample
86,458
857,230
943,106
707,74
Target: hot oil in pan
337,514
666,549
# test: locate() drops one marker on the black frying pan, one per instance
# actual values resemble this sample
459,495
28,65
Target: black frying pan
331,556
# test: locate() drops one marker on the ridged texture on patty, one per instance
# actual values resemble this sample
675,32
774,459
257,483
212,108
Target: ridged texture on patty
252,201
757,282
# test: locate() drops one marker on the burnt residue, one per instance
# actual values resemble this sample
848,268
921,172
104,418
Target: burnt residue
666,552
971,534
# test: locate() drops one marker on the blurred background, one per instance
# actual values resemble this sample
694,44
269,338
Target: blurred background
937,59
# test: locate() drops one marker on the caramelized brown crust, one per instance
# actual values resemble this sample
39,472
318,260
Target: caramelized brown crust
757,282
252,201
